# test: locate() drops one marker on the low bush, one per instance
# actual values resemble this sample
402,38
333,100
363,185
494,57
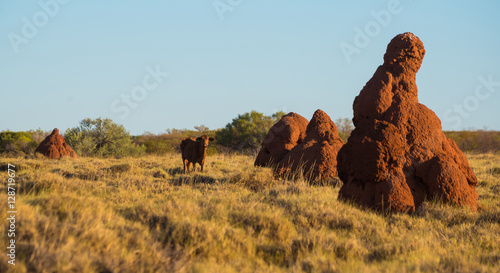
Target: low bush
17,142
102,138
246,132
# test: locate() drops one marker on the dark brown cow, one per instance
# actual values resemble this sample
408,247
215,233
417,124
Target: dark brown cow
194,151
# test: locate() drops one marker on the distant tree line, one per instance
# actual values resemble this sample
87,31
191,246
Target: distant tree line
244,134
168,142
480,141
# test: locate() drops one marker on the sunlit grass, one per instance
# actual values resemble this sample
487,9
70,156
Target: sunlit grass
145,215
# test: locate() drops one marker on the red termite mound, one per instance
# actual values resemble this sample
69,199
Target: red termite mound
398,155
289,131
54,146
317,155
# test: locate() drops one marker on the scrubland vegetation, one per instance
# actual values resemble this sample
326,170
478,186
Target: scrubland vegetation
126,206
480,141
244,134
144,215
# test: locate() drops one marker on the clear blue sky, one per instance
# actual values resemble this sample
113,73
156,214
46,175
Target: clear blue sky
97,59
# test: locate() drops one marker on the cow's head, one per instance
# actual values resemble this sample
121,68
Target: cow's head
203,140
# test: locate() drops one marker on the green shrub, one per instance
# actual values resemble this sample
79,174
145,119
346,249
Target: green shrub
102,138
160,144
17,142
246,132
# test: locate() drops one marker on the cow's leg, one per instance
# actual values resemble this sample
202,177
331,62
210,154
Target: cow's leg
194,166
188,167
202,164
184,163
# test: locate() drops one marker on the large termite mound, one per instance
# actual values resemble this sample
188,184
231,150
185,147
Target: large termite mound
289,131
316,156
54,146
397,156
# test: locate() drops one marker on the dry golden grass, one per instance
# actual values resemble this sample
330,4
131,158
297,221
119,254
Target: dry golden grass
145,215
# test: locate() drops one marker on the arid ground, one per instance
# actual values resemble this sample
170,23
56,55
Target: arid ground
144,215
